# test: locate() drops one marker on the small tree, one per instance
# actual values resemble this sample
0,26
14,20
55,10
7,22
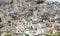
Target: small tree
39,1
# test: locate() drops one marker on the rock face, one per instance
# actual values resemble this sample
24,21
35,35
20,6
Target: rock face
27,14
7,1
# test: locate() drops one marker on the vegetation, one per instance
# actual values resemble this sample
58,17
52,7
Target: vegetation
1,26
27,35
52,35
47,35
0,20
48,18
39,1
58,34
53,20
11,2
8,35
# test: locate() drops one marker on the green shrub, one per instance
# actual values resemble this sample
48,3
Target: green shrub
0,20
27,35
39,1
58,34
52,35
47,35
52,20
8,35
1,26
48,18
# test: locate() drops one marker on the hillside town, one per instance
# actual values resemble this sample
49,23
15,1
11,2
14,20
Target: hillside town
28,18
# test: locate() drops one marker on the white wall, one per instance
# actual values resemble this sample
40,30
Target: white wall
54,0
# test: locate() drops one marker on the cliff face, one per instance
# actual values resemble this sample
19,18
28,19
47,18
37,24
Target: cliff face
24,5
4,2
26,12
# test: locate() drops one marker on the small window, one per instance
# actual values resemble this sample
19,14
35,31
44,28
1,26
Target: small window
9,24
9,21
